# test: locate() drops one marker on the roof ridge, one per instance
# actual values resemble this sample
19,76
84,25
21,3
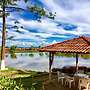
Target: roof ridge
84,38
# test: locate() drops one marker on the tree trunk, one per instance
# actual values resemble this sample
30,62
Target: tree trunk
3,38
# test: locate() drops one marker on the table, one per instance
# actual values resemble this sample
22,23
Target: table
81,75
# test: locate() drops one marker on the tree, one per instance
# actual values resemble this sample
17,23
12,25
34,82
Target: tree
12,51
10,4
40,12
4,4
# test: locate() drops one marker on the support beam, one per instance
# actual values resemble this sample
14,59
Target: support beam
51,58
76,62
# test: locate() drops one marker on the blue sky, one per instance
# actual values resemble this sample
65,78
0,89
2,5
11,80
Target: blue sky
72,20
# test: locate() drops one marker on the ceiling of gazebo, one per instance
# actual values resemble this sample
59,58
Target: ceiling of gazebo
75,45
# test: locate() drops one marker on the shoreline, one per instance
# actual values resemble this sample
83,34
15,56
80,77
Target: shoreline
59,54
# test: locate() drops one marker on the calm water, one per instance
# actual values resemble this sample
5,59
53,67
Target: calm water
40,63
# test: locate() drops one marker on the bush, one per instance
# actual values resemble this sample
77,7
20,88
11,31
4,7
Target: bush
12,49
9,84
41,53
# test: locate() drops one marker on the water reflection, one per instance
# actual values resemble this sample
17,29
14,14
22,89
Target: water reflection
39,62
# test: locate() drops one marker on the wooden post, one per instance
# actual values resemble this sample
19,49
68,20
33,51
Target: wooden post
51,57
76,63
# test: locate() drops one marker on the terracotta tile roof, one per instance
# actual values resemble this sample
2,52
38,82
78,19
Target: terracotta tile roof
75,45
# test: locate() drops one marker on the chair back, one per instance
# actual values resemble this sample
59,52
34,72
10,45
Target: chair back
84,83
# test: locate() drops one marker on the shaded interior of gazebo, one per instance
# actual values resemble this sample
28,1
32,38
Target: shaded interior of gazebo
80,45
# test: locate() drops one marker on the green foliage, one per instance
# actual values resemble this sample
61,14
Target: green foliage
46,54
6,2
41,53
20,83
6,14
30,83
36,9
85,56
37,85
41,12
10,38
65,54
17,27
21,54
88,73
11,5
18,31
9,84
10,2
12,51
13,56
51,15
31,54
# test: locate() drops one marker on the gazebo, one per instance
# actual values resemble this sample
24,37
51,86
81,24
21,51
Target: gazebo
80,45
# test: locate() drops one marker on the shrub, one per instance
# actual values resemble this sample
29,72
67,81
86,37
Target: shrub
12,51
9,84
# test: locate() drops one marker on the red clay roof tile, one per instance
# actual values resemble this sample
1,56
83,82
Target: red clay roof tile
75,45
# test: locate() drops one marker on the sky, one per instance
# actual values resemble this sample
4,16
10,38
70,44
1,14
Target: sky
72,20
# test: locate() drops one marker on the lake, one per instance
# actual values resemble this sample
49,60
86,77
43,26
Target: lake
37,62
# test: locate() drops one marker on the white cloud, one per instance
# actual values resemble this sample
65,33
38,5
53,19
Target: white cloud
49,27
71,11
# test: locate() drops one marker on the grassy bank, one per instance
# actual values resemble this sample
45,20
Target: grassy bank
27,78
84,56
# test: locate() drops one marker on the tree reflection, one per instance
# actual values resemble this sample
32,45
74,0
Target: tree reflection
31,54
41,53
12,51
